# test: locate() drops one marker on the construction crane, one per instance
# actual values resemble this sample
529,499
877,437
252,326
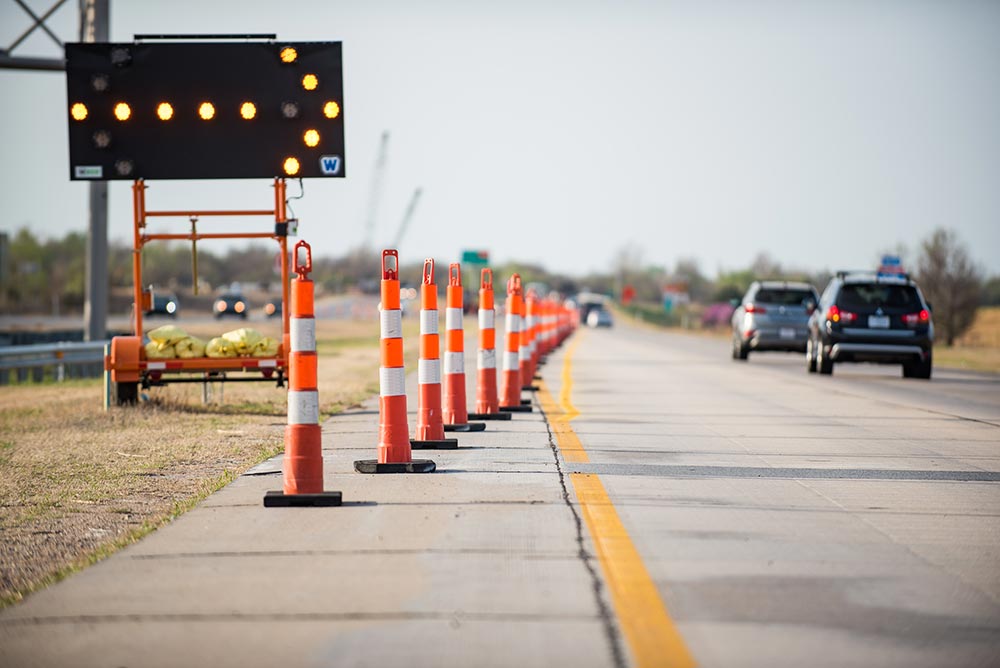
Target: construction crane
407,217
375,194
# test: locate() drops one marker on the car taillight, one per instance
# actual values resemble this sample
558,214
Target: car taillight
834,314
914,319
220,305
753,308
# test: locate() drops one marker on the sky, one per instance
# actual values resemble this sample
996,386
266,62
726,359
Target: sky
821,133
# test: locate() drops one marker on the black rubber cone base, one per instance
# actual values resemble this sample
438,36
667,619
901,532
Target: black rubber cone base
525,402
276,499
489,416
516,409
415,466
529,388
468,426
443,444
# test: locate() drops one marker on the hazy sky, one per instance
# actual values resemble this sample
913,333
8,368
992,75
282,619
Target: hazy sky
559,132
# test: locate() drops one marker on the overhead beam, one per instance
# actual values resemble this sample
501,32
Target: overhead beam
9,62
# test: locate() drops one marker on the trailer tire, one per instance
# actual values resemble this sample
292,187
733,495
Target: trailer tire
125,394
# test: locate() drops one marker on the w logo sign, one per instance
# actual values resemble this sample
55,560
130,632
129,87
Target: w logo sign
330,164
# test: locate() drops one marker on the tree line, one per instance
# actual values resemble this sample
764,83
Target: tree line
40,275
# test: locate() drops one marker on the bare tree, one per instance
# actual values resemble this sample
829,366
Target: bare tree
951,282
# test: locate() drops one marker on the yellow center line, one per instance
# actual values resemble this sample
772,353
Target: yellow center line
650,632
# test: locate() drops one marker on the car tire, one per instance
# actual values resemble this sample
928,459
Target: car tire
920,369
740,351
823,363
810,357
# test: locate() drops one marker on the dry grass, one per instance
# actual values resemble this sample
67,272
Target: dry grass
76,482
979,348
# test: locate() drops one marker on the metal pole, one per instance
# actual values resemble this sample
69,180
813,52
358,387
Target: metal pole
95,27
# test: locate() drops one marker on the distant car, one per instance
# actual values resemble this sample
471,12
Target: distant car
870,317
773,315
272,309
231,304
599,317
163,303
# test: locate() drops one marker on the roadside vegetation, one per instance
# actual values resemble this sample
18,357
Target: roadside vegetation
78,483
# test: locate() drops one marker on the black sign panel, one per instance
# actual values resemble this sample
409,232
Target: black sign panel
205,110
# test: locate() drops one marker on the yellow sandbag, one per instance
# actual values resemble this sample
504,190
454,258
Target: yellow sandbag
244,340
190,347
167,335
266,347
154,352
219,347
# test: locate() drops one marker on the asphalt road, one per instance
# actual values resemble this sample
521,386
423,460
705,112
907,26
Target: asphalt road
671,507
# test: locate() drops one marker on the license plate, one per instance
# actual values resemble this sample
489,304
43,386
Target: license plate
786,333
878,321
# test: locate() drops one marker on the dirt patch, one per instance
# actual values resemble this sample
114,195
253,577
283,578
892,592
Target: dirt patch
77,482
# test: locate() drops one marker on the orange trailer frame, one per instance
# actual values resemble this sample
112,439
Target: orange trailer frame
127,361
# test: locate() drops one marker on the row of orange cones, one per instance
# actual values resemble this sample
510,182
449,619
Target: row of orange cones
534,327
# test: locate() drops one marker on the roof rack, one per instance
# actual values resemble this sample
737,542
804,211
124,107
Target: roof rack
878,275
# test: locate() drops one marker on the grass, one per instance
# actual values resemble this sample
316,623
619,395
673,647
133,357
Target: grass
78,483
979,348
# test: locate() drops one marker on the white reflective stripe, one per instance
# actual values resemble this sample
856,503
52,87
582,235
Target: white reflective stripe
428,322
487,318
532,321
303,407
513,322
302,333
487,359
391,324
428,372
532,347
453,318
152,366
510,361
263,364
523,353
454,363
392,381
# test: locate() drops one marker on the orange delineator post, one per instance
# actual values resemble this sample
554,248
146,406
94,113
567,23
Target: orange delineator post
524,351
430,422
303,461
454,410
510,382
532,308
548,318
394,455
487,401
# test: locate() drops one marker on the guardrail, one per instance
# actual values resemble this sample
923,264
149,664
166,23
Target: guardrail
20,364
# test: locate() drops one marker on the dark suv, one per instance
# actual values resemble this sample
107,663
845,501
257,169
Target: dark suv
868,317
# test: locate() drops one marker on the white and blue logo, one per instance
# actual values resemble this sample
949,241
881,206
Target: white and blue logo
330,164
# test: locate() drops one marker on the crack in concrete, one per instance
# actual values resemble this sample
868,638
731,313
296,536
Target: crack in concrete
603,609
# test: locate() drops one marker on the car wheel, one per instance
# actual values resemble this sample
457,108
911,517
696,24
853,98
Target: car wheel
740,351
810,357
919,369
823,363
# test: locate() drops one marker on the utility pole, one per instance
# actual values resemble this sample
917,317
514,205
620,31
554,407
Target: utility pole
95,27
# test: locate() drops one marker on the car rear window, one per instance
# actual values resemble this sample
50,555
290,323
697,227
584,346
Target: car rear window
874,295
784,297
